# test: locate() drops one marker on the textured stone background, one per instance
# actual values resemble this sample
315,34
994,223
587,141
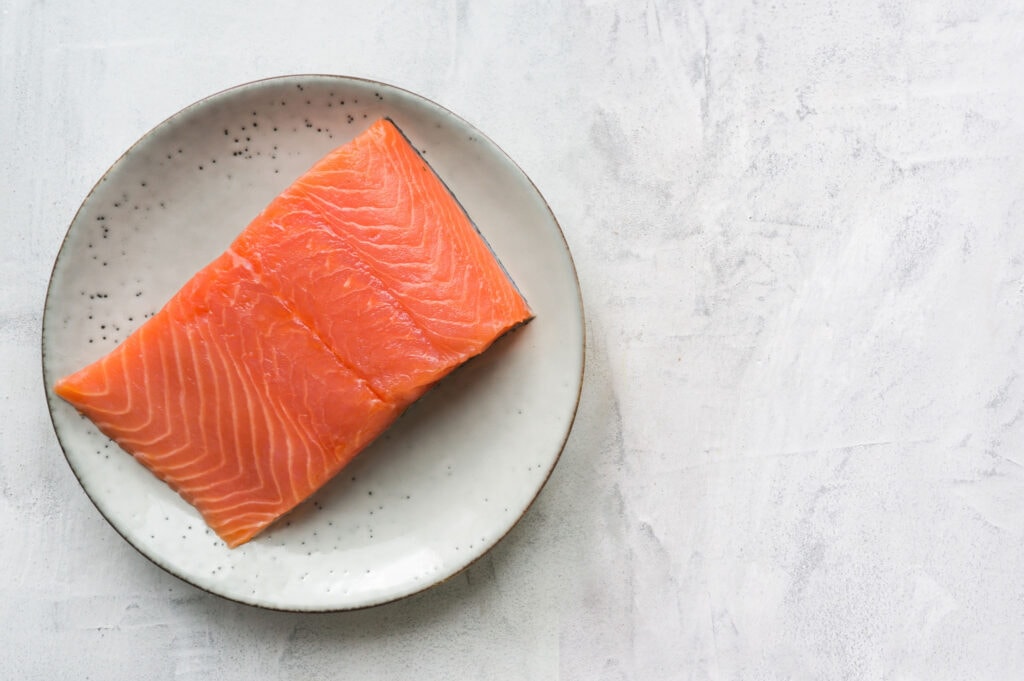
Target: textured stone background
799,229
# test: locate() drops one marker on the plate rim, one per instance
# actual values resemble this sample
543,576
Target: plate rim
50,397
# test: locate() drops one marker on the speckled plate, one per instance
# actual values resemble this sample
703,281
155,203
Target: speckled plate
451,477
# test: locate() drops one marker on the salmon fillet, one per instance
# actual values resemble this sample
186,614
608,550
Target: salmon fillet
347,298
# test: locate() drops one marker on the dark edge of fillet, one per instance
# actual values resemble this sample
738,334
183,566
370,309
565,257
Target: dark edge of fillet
471,222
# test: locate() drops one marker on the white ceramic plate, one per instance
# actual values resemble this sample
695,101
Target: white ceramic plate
450,478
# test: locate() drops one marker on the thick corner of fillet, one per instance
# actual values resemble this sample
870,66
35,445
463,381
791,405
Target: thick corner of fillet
523,313
385,126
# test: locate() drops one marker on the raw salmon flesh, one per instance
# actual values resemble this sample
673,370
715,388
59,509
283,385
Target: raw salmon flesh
348,297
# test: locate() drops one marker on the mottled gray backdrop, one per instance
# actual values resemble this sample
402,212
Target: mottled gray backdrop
799,230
